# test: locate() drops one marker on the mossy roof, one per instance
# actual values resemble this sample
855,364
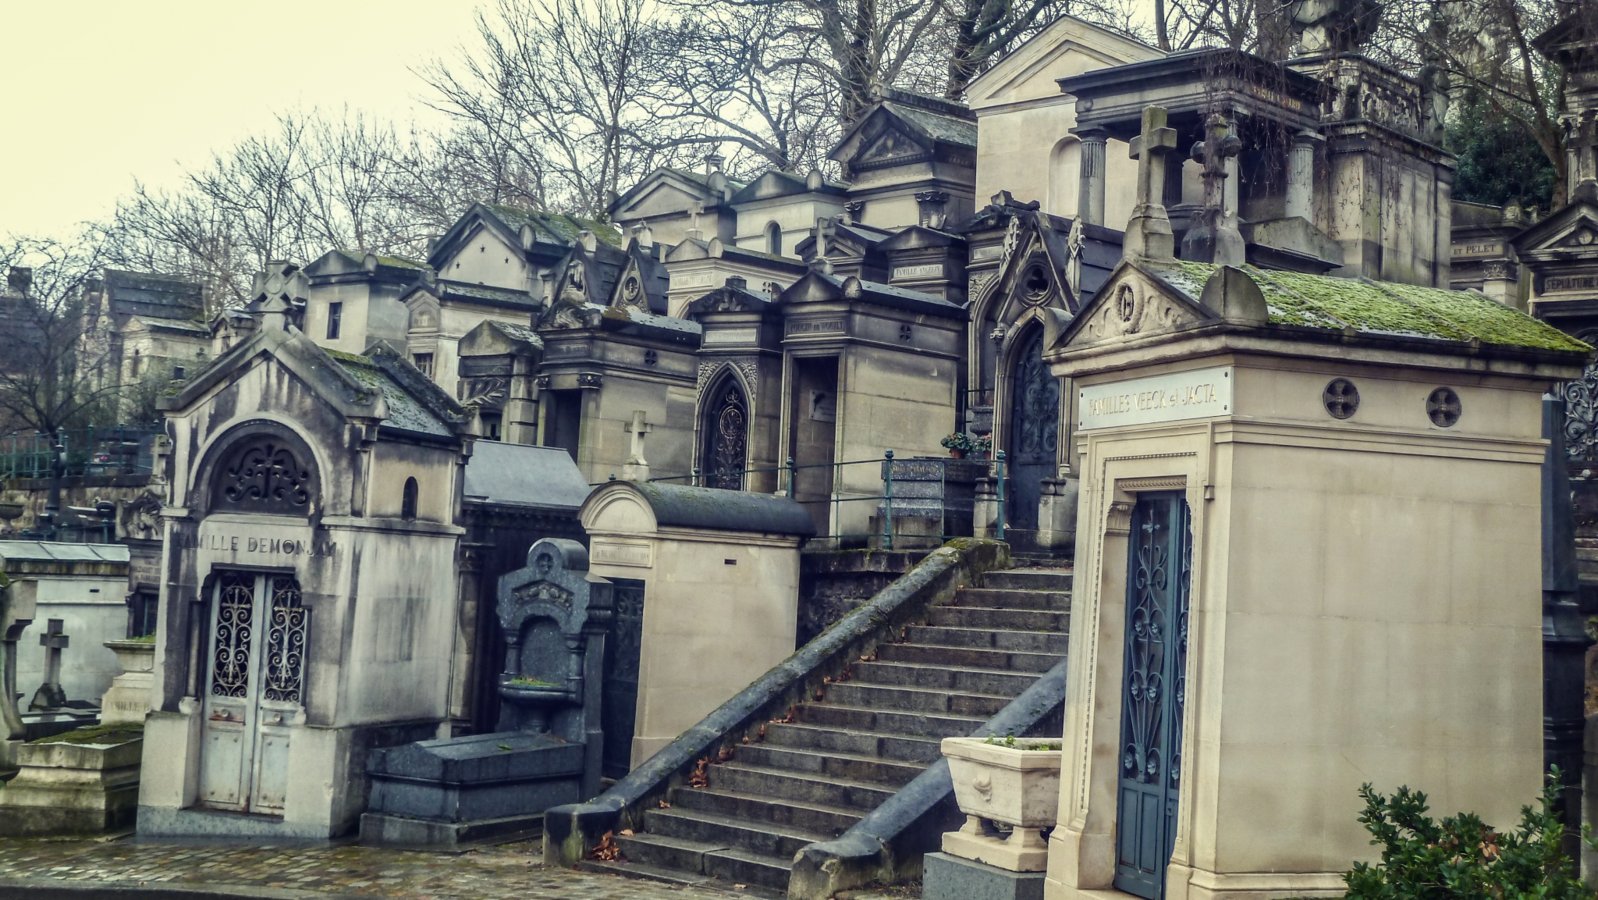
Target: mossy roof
405,411
1380,308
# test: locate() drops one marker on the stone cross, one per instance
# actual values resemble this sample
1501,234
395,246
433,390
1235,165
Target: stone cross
1148,233
698,210
50,695
637,468
1214,236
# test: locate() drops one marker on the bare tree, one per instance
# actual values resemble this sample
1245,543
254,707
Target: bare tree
50,375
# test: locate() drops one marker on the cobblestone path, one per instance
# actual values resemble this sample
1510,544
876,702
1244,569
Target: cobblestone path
31,867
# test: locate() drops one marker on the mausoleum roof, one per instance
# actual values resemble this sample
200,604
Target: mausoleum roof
1376,308
714,509
524,475
407,399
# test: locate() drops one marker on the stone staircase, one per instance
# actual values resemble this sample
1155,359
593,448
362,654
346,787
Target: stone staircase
833,759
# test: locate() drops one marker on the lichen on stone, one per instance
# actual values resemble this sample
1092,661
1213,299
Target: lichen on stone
1379,307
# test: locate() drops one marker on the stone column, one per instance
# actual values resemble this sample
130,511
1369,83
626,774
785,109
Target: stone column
1090,198
1301,176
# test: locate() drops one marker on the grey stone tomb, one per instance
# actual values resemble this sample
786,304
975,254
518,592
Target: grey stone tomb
548,747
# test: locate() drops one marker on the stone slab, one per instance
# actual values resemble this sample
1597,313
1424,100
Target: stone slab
945,877
406,831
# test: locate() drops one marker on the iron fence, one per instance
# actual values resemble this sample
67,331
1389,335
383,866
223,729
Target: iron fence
113,450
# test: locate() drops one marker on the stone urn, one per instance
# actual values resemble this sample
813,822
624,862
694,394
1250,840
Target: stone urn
1004,784
128,698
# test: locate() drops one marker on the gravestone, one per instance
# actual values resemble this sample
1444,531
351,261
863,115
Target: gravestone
547,749
49,695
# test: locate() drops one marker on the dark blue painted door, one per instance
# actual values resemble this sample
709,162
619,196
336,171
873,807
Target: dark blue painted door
1153,690
1034,430
619,696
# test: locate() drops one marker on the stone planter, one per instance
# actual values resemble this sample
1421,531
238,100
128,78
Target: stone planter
128,698
996,785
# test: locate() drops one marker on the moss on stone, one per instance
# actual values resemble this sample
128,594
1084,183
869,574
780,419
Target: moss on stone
1380,307
120,733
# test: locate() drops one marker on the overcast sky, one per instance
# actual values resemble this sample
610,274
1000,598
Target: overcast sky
101,92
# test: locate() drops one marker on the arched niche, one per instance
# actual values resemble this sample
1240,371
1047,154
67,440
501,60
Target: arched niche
724,431
261,467
1065,176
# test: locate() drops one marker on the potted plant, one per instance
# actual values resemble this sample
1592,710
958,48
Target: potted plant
982,445
957,443
1004,782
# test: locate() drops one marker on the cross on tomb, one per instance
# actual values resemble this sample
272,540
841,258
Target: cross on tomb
637,468
1214,237
1148,234
50,695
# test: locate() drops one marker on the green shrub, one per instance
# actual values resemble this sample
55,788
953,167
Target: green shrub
1462,856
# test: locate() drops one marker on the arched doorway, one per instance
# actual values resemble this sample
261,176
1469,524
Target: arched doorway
1034,428
724,435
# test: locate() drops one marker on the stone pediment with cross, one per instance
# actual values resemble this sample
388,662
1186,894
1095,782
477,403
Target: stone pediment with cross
553,585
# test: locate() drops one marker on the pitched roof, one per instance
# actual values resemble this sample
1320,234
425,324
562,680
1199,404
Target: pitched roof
413,402
147,294
524,475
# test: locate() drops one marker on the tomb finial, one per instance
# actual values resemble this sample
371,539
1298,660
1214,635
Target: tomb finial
1214,236
1148,233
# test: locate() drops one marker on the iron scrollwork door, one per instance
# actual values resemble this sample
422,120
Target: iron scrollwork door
255,691
623,647
725,431
1153,692
1034,430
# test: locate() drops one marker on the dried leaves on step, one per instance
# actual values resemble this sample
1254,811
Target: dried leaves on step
700,778
606,850
725,754
663,805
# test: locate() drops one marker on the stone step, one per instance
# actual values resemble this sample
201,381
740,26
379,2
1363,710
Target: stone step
663,852
990,638
831,763
968,657
917,750
819,790
630,869
987,617
1006,598
876,696
828,820
1029,579
761,838
906,724
735,867
963,680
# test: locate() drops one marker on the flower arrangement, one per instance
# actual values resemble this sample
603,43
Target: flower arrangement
956,440
982,444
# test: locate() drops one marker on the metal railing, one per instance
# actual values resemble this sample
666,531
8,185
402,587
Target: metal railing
786,479
113,450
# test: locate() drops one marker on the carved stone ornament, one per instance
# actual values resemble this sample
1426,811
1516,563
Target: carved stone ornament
263,474
1131,309
1341,398
1443,408
543,382
543,592
976,283
590,379
745,367
141,518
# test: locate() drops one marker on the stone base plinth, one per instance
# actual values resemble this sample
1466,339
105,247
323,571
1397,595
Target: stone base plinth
1023,851
72,788
945,877
405,831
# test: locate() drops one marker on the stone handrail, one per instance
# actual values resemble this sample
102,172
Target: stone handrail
573,830
888,843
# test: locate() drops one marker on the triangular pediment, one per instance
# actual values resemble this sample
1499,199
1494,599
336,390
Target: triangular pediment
892,145
1572,228
1133,304
1032,273
662,197
629,290
423,308
1067,47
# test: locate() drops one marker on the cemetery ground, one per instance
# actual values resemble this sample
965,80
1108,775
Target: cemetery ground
111,867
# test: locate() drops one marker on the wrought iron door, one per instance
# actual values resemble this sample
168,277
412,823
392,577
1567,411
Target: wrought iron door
254,691
620,701
1034,431
1153,691
724,436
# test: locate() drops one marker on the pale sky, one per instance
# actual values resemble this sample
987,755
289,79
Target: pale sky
95,94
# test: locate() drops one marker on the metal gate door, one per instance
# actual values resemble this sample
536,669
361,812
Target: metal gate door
1034,431
255,691
1153,692
620,701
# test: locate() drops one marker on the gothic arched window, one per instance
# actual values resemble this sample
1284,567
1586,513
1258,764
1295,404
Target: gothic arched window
774,239
724,434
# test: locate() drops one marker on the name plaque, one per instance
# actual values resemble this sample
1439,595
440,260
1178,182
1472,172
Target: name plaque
1198,394
618,553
